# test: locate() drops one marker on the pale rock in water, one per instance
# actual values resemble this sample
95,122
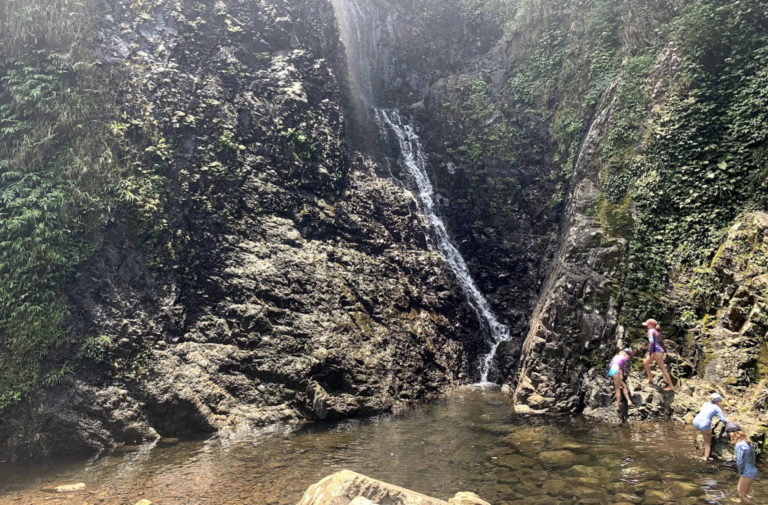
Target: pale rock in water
68,488
361,500
350,488
467,498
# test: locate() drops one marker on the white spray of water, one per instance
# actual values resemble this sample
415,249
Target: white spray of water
415,161
361,37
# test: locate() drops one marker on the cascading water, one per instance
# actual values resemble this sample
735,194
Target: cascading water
360,35
414,159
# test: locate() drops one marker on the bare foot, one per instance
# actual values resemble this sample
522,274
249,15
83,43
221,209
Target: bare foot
650,382
618,407
630,404
669,388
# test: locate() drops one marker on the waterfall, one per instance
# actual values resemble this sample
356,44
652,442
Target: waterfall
361,36
414,159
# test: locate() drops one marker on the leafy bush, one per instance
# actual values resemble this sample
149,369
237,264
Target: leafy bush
57,170
705,163
96,349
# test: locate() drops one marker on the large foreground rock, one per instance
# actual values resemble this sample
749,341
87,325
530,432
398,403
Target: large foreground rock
346,487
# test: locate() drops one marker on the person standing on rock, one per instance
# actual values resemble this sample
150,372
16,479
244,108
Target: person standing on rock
703,420
745,459
617,369
656,353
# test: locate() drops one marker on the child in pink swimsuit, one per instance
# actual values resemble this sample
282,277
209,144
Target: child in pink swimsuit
617,369
656,353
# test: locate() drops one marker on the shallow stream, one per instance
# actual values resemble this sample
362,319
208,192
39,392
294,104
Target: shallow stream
468,441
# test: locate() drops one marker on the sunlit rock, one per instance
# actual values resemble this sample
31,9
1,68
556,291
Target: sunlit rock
348,488
68,488
361,500
467,498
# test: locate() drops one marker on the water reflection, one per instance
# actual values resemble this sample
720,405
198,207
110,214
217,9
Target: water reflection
469,441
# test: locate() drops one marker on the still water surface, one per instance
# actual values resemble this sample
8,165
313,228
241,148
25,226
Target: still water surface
468,441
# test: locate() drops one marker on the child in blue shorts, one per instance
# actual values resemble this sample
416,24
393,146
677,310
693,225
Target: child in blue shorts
703,420
745,460
617,369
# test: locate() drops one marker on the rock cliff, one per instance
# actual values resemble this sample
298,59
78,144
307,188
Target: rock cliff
276,278
226,243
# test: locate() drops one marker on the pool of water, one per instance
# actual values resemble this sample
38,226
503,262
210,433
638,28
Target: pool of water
468,441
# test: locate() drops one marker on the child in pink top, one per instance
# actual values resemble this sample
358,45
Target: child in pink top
656,353
617,369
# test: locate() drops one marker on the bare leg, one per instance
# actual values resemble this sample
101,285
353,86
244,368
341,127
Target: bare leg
744,484
617,386
659,357
707,434
647,365
625,388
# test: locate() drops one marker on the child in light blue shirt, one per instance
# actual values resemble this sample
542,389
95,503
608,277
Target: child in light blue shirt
703,420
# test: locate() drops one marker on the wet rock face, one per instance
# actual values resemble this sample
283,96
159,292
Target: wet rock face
733,338
289,283
574,324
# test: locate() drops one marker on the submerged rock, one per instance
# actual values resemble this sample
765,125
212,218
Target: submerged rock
657,497
558,458
626,498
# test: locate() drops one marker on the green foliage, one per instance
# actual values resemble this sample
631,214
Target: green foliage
618,147
700,163
62,173
96,349
704,163
52,24
47,201
301,142
504,199
134,366
616,218
490,134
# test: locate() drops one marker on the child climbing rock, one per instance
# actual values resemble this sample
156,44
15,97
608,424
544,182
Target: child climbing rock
703,420
617,369
656,353
745,460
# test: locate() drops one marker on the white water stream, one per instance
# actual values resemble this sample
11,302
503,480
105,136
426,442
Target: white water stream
361,36
415,161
